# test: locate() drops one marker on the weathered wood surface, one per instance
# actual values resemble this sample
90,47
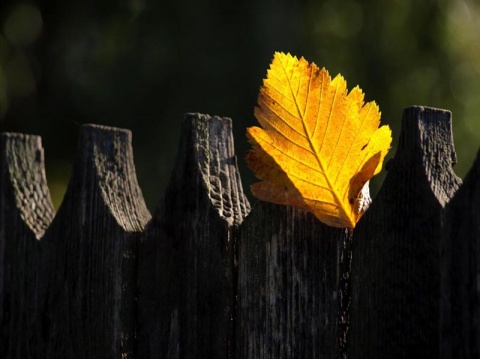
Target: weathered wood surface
290,267
397,245
25,213
69,291
187,268
202,280
90,252
460,335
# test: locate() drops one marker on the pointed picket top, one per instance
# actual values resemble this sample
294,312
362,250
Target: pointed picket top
426,139
208,141
104,163
23,174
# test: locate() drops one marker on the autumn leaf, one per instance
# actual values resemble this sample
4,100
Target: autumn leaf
319,145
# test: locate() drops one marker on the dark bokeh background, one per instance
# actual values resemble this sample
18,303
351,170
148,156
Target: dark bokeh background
141,64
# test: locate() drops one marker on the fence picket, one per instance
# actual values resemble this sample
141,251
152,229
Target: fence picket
290,266
25,213
90,251
460,300
187,270
396,247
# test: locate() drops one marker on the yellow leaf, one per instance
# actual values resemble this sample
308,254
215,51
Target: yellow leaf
319,145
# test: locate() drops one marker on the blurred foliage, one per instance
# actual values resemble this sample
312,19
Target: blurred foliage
142,64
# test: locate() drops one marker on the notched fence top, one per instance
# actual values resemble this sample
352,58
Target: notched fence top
206,148
105,160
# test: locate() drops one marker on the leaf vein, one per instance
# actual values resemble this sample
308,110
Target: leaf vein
351,143
293,158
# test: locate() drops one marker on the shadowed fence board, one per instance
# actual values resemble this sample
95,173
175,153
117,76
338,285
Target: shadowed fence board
460,336
397,244
90,251
187,275
290,268
25,213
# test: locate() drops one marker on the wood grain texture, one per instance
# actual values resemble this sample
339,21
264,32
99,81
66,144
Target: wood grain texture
187,268
102,279
460,300
90,251
290,268
397,245
25,213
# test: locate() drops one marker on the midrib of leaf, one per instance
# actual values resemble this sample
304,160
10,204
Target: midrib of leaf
309,137
285,122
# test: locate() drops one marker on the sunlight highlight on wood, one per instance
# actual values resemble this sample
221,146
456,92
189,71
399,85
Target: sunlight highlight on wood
319,144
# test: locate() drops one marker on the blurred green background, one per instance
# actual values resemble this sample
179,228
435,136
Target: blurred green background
142,64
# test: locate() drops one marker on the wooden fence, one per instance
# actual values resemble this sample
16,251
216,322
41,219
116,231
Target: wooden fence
209,277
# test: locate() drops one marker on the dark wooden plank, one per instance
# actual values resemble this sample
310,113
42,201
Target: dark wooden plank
187,271
25,213
396,248
460,335
91,250
293,274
